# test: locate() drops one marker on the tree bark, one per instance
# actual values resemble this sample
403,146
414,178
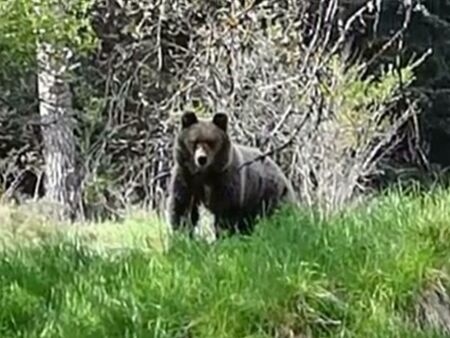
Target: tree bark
62,179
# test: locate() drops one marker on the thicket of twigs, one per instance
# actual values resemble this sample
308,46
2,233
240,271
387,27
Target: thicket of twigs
281,70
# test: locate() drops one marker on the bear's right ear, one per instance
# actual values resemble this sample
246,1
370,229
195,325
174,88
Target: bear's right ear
188,119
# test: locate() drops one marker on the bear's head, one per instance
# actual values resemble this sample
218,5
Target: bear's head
203,145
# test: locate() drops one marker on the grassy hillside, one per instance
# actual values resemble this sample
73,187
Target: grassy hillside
357,275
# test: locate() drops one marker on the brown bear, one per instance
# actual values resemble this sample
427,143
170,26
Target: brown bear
234,182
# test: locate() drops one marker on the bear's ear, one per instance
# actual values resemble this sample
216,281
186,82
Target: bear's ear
188,119
221,121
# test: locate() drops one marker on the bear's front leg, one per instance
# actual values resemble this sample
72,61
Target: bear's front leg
225,226
182,210
230,226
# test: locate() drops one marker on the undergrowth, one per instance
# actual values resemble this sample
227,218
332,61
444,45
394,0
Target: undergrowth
357,274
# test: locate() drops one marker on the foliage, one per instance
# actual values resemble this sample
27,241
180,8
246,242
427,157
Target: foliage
22,22
361,101
16,38
65,24
358,274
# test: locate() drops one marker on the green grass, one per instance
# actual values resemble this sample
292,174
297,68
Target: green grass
355,275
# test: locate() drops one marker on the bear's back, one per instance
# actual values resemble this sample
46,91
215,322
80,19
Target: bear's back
263,165
264,179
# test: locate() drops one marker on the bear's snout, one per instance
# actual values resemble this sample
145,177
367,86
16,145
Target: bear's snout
201,157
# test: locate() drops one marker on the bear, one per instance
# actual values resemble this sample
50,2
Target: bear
236,183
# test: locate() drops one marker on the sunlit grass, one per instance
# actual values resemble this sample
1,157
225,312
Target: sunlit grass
357,274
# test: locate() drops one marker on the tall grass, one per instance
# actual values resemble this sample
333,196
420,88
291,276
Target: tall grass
357,274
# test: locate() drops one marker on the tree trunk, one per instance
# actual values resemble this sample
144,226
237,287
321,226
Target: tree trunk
62,179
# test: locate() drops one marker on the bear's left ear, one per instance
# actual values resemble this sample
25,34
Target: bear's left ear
221,121
188,119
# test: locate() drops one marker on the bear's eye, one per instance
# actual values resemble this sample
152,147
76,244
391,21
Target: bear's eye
210,143
191,144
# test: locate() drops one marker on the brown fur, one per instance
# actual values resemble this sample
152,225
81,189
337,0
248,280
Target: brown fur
235,195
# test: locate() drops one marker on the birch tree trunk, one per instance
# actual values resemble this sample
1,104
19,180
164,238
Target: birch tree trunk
62,179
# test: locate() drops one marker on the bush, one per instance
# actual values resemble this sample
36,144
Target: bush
280,71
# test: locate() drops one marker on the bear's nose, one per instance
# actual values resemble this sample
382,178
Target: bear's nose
201,160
